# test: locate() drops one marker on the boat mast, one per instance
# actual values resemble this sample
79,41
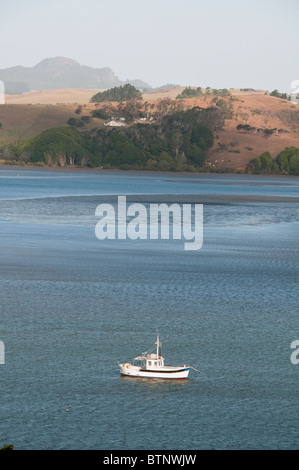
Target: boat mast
158,345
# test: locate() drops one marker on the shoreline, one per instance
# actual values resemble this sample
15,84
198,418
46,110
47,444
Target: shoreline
70,169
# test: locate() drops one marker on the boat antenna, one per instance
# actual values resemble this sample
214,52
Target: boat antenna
153,346
159,345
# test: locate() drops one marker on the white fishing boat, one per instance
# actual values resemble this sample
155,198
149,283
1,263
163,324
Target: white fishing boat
151,365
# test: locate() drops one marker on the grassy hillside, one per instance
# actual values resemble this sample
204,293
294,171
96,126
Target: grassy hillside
255,122
177,142
21,122
272,124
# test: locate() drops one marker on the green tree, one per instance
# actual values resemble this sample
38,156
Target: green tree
104,112
283,162
122,93
75,122
294,164
130,110
287,160
226,107
197,155
276,93
202,134
190,93
267,164
63,145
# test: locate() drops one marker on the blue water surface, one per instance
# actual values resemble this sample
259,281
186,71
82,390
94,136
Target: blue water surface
72,305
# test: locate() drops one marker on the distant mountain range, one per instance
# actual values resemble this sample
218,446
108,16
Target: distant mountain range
61,72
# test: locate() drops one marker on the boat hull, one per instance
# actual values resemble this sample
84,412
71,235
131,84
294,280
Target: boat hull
166,374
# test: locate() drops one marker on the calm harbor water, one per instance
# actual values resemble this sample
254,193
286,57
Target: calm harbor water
71,306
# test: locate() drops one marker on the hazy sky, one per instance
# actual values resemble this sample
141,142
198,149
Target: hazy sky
217,43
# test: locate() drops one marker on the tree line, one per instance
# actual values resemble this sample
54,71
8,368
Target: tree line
177,141
286,162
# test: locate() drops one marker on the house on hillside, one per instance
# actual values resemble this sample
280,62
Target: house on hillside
115,123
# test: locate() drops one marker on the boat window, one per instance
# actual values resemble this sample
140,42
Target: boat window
149,363
155,363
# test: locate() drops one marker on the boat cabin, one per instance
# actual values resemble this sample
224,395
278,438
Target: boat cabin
152,361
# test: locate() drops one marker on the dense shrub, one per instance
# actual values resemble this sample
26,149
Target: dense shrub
58,146
122,93
287,162
190,93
